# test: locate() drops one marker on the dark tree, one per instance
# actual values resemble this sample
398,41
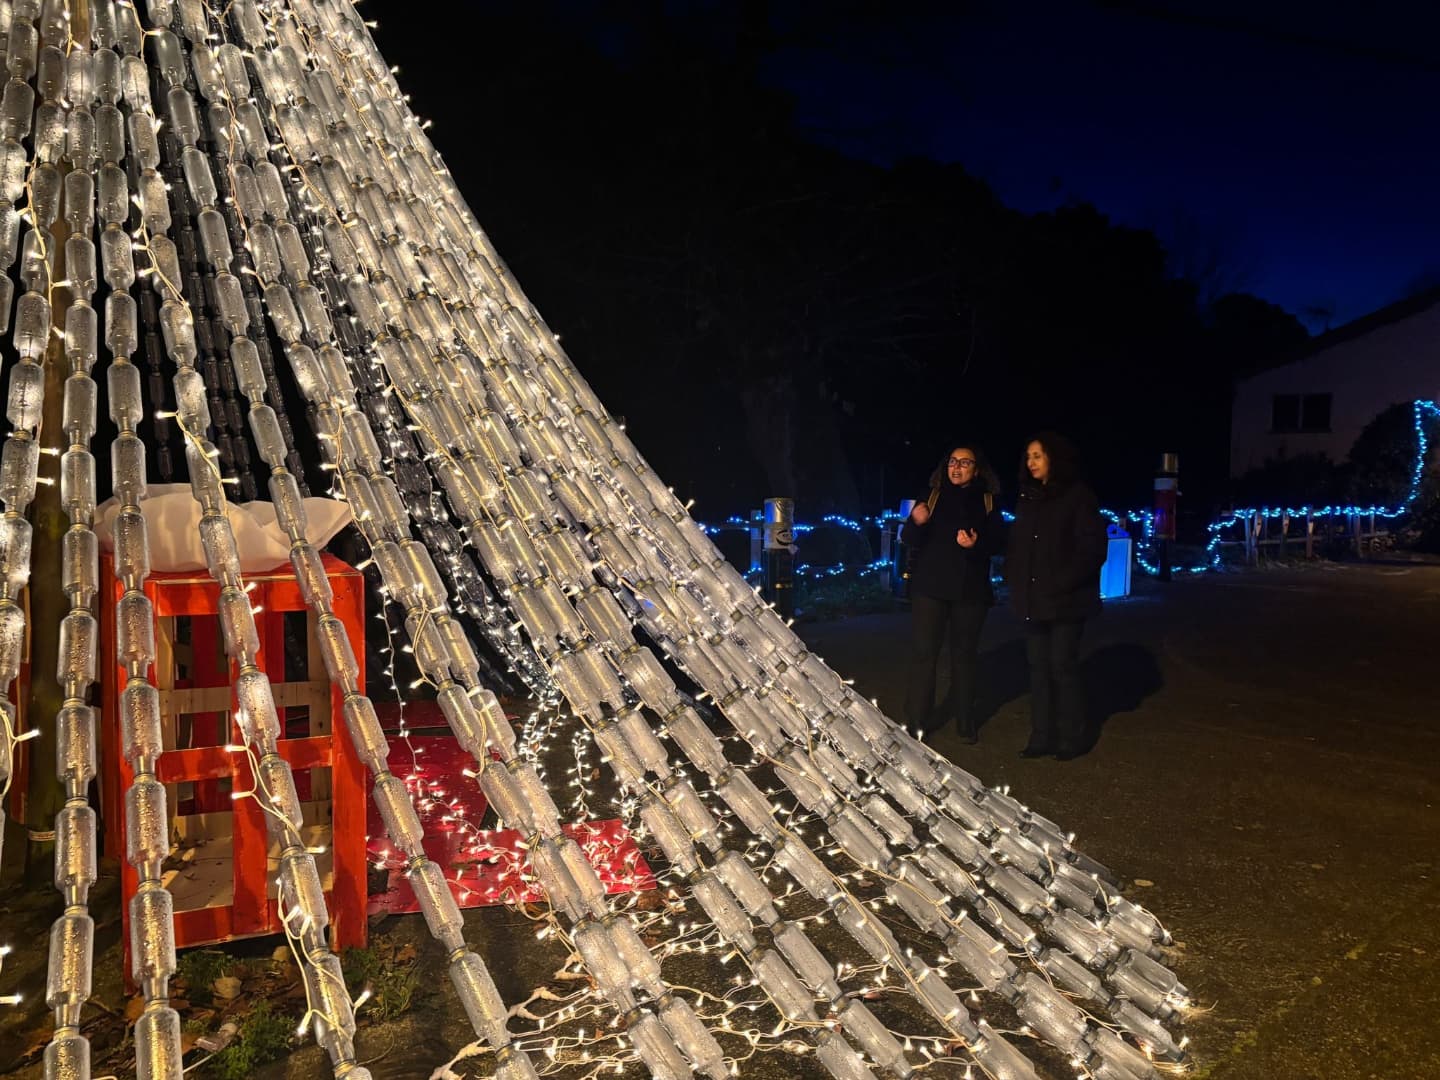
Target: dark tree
773,317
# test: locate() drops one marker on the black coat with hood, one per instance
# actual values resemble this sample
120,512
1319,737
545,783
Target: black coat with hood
1057,545
940,567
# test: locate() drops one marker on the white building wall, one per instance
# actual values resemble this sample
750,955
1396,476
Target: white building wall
1398,361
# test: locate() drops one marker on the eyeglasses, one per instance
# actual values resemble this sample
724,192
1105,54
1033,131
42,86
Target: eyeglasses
962,462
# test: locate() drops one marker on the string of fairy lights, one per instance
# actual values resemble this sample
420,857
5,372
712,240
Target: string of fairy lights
308,208
294,311
1218,532
423,600
572,696
301,900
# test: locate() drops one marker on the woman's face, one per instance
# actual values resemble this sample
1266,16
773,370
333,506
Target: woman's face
1038,462
960,465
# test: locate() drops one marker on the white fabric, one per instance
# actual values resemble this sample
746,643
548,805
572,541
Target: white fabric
172,520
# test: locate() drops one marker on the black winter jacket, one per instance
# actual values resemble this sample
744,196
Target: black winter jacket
940,567
1057,546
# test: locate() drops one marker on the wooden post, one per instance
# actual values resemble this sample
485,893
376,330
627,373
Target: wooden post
348,781
1284,531
1309,534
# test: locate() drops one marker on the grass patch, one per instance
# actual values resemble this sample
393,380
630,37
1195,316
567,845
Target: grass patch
391,980
264,1036
199,968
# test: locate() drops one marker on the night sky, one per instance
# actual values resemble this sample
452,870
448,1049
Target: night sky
1293,144
1276,149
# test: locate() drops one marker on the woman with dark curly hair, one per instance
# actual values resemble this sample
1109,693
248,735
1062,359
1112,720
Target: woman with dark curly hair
1057,546
952,535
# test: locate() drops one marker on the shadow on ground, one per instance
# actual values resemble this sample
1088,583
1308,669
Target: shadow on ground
1004,677
1118,677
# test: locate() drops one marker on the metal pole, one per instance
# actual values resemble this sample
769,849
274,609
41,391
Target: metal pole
779,559
902,552
886,565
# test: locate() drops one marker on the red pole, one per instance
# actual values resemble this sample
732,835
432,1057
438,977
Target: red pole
1167,492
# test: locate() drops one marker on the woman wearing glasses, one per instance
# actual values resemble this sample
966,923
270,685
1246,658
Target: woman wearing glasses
1057,546
952,535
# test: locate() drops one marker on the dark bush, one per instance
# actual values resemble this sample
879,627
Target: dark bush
1292,480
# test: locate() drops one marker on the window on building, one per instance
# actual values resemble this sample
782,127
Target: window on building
1315,412
1291,413
1285,412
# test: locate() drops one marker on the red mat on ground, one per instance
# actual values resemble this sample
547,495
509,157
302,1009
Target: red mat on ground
484,866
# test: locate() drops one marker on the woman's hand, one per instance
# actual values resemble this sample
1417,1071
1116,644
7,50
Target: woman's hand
967,538
921,514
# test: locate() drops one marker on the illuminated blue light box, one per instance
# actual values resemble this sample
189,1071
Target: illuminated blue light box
1115,574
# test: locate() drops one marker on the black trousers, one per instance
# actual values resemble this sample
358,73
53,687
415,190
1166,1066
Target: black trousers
929,619
1057,698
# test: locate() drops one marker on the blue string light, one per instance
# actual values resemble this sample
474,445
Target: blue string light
1420,411
1144,519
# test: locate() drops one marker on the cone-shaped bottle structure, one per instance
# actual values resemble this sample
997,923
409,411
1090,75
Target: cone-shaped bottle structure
256,218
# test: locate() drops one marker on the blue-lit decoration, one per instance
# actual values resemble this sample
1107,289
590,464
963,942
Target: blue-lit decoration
1422,410
1115,574
1112,586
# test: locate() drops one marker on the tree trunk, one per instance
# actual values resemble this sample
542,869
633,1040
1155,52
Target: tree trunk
769,404
824,464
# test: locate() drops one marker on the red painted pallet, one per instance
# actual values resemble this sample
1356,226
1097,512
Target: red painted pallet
222,872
